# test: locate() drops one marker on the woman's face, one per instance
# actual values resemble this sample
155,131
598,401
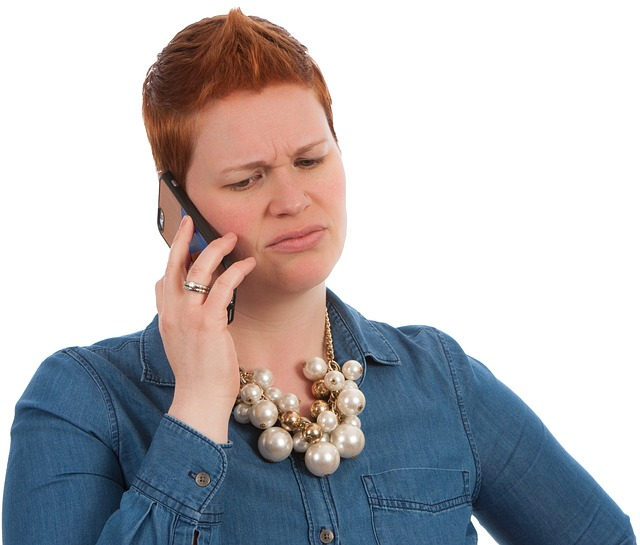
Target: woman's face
266,167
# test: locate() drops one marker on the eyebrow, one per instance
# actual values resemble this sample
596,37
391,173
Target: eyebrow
255,164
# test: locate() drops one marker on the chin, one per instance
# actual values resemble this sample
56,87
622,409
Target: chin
305,281
299,277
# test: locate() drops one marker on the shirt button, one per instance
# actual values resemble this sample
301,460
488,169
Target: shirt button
326,536
203,479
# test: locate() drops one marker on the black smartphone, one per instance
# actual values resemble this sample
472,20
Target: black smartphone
173,205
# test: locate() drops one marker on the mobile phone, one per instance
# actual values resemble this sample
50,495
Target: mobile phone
173,205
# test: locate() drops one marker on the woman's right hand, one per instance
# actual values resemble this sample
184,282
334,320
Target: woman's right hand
195,333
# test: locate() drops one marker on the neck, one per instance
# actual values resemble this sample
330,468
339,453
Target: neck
282,332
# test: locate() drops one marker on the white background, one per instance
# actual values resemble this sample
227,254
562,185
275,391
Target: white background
492,154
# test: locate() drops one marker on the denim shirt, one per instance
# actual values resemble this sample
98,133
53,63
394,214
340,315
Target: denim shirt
96,459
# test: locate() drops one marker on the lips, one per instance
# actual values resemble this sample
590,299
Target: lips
298,240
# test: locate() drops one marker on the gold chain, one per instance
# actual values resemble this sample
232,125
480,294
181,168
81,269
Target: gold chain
328,340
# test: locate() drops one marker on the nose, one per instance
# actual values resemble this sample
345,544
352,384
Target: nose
289,197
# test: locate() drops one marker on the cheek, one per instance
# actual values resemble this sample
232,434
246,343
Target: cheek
337,196
230,221
246,228
340,187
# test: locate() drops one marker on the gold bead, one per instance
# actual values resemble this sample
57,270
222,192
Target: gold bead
318,406
312,433
319,389
290,420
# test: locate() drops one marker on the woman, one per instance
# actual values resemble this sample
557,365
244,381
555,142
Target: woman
145,438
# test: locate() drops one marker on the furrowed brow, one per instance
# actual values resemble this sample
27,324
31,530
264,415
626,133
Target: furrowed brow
262,164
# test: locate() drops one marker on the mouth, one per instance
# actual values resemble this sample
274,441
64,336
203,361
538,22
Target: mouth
299,240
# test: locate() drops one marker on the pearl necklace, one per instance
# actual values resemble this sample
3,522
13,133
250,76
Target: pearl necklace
333,431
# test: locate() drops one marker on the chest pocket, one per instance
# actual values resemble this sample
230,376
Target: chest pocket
420,505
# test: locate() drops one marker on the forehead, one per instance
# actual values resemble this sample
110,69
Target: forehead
279,116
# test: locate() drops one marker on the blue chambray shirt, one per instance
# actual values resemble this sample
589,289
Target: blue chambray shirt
95,459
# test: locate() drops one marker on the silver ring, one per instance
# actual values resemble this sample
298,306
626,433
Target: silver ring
190,285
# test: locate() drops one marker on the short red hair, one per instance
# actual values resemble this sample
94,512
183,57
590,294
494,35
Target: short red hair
210,60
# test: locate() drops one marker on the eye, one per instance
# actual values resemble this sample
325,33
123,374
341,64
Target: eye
245,184
308,164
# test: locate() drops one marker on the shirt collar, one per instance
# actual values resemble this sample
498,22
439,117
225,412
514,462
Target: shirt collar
354,337
155,366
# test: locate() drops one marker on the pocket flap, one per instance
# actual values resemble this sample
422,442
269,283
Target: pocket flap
421,489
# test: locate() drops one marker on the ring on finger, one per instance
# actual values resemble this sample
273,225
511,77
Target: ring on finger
190,285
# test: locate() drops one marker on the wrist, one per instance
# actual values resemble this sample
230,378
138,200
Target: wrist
210,418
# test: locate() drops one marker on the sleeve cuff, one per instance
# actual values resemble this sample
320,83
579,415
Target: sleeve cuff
183,470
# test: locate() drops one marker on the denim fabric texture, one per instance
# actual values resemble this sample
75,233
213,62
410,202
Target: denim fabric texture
95,459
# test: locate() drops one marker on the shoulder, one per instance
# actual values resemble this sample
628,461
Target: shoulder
86,374
424,345
113,354
86,388
391,344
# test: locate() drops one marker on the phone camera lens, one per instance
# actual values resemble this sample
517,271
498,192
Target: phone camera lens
160,220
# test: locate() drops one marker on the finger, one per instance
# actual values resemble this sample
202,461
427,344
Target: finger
204,267
179,258
222,289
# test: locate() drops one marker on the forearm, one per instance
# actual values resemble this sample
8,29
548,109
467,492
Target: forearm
86,504
82,471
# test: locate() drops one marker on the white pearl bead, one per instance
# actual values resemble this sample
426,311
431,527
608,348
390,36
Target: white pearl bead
352,369
263,377
350,384
299,442
251,393
322,458
348,439
275,444
334,380
328,420
289,402
351,402
263,414
273,394
241,413
353,420
315,368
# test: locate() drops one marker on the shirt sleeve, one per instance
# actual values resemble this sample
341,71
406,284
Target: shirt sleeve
531,490
64,484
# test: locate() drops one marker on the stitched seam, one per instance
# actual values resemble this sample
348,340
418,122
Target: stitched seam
119,348
147,375
368,482
305,501
463,413
106,397
405,505
352,336
211,518
220,448
331,507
